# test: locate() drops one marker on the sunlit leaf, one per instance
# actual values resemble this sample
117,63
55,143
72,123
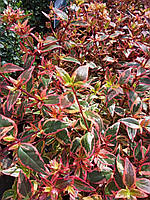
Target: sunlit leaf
70,59
79,23
130,122
81,73
131,133
120,164
64,75
50,48
87,142
61,14
12,171
123,193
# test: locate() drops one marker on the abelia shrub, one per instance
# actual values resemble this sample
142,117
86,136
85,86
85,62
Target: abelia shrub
76,119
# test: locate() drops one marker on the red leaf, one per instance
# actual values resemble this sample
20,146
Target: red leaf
9,67
26,75
24,186
129,175
12,98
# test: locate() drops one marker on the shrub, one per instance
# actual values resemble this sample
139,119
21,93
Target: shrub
76,120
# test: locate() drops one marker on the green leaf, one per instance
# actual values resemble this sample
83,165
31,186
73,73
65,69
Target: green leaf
62,15
8,194
143,184
145,80
109,59
130,122
138,193
112,131
111,109
75,146
52,126
81,185
106,157
129,175
95,177
6,126
95,119
124,77
138,151
120,164
123,193
52,100
70,59
110,188
87,142
50,48
64,75
30,158
79,23
62,183
119,111
145,169
116,34
63,137
131,133
24,186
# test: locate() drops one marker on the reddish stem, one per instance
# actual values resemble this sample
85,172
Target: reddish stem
80,108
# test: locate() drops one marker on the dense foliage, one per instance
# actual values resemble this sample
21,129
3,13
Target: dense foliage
75,123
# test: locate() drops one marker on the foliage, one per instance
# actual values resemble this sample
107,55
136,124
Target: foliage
76,120
9,41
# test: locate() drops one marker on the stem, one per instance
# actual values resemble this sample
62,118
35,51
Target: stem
80,108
